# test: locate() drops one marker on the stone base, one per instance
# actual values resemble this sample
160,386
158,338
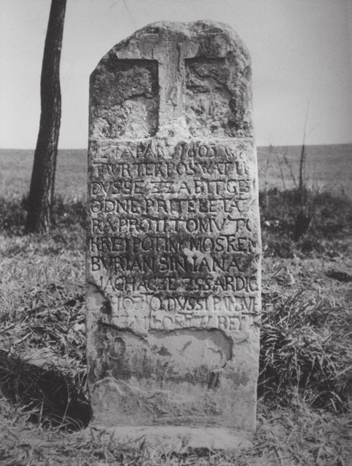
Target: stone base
178,438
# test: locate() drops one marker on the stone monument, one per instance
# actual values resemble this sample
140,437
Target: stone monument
173,262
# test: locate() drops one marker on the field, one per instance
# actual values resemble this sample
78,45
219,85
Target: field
328,168
305,365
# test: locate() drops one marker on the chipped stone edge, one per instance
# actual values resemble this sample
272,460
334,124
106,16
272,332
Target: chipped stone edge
177,438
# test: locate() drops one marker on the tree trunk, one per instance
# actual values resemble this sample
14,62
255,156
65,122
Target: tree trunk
43,174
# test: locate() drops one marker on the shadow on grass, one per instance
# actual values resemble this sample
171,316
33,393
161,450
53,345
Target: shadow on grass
47,394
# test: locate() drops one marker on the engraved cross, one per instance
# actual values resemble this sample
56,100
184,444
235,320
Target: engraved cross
170,49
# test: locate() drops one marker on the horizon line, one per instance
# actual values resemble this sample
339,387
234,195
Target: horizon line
258,145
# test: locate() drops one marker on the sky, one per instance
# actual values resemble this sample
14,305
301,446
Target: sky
301,57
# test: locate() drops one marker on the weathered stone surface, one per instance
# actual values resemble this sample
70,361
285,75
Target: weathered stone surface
177,438
173,263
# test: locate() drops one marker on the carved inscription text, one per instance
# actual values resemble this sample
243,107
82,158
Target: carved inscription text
171,237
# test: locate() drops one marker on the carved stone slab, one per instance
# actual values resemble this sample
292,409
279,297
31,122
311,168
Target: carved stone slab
173,262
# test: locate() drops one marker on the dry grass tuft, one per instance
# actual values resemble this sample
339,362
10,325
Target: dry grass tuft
305,349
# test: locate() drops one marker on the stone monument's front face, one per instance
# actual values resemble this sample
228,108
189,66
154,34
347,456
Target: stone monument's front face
173,264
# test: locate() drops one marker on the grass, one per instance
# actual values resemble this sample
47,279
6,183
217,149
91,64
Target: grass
304,352
330,223
305,347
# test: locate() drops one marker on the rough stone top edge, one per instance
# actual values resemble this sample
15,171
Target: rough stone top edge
190,29
194,139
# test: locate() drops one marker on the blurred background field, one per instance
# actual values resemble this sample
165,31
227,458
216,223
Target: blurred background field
16,168
328,168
